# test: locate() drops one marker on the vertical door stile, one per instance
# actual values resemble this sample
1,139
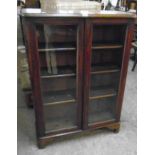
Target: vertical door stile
80,33
126,55
87,66
34,65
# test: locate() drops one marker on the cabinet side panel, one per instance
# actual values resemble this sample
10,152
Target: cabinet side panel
33,60
126,55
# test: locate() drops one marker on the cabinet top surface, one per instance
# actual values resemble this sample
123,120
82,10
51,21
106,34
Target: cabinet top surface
80,14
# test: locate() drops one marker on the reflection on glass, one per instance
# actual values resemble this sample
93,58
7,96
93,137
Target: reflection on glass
101,110
57,53
60,116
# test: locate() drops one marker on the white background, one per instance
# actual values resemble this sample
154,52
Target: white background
146,77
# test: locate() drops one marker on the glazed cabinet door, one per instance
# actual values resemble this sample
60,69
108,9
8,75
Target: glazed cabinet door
103,68
56,71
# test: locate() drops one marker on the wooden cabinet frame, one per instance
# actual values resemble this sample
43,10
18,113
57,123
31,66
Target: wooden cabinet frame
84,44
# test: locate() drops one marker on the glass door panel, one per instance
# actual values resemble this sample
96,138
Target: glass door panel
102,109
57,47
60,116
106,57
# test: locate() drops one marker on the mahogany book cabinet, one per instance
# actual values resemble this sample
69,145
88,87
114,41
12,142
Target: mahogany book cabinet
78,67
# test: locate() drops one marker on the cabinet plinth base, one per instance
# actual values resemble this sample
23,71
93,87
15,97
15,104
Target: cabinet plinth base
114,127
44,141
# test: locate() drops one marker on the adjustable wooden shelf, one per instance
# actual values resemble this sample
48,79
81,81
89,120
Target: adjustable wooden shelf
78,67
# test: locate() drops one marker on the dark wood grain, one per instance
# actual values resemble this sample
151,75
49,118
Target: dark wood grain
106,46
126,55
87,70
79,61
33,59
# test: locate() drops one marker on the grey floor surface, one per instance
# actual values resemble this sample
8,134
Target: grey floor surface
101,142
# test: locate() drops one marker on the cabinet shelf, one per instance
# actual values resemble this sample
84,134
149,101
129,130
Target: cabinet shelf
69,47
100,92
59,97
59,102
66,97
100,69
58,75
57,47
64,71
70,71
97,46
